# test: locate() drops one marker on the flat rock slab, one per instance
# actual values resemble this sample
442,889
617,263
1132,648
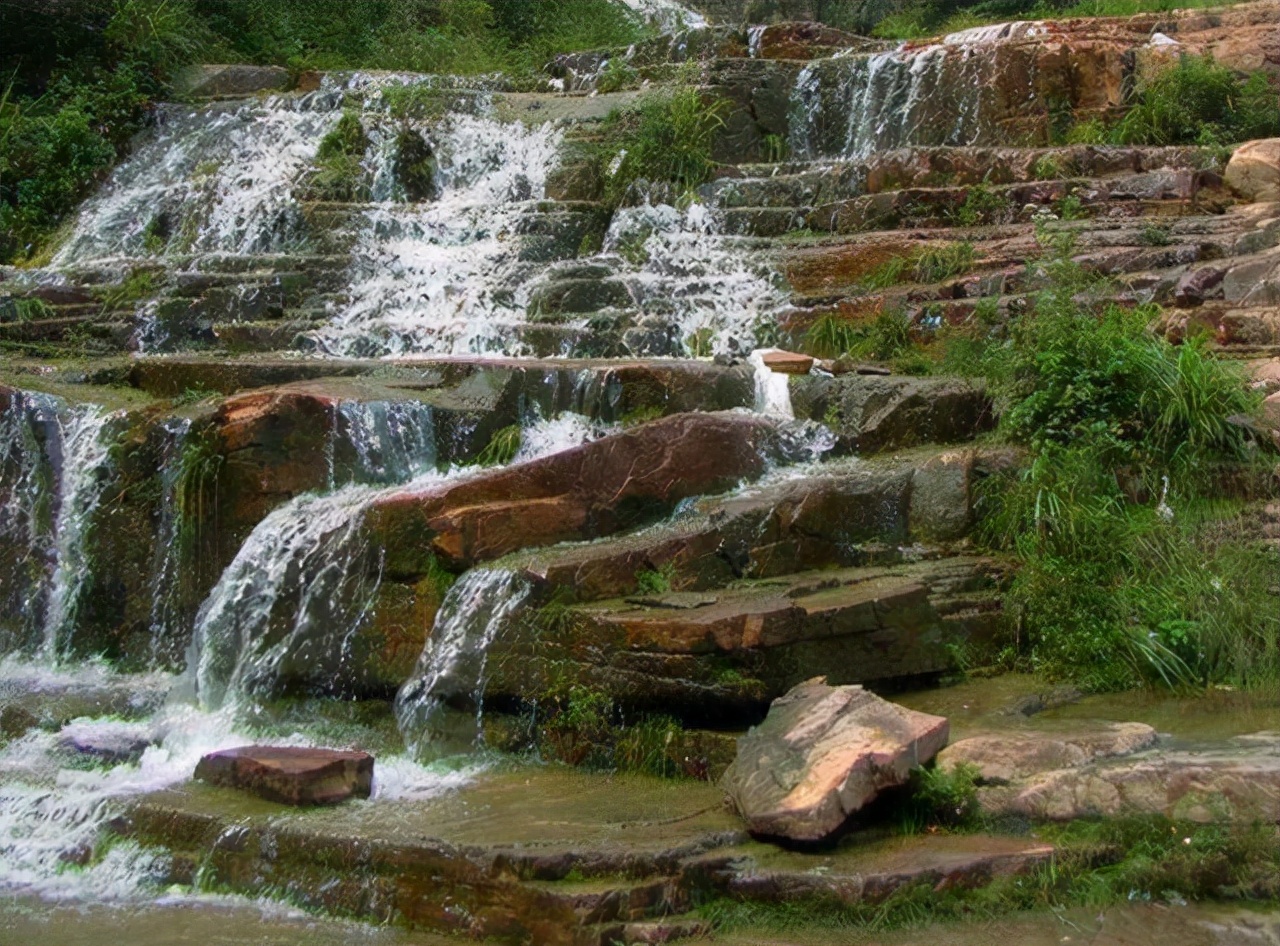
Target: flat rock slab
1237,781
787,362
823,753
1000,758
291,776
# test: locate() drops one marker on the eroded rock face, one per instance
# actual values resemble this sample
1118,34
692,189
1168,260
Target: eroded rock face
592,490
291,776
822,754
870,413
1254,170
1002,758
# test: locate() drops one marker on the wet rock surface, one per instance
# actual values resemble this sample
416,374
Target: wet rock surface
291,776
822,754
1003,758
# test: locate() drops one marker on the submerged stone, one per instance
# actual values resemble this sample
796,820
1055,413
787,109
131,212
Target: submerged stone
822,754
291,776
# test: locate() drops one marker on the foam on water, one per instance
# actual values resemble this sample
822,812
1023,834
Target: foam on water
445,276
669,16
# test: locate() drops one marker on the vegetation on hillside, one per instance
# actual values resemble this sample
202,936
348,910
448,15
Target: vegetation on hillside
81,77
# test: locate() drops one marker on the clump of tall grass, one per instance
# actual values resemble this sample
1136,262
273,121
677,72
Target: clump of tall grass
1127,434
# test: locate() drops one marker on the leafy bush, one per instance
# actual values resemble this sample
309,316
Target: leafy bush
981,206
666,140
1116,586
944,262
1199,101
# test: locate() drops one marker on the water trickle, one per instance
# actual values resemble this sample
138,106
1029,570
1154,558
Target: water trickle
393,441
773,388
446,276
28,425
476,610
83,476
169,622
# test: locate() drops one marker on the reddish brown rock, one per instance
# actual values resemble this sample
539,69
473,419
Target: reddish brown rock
806,40
823,753
291,776
787,362
589,491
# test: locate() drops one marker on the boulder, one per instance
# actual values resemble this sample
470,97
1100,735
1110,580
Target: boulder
1001,758
589,491
291,776
822,754
1253,172
787,362
869,413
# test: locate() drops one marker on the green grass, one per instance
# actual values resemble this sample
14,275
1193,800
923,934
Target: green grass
1120,582
502,447
666,139
1098,865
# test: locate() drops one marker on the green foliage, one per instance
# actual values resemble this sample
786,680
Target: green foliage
655,581
944,262
941,798
138,285
339,170
981,206
1048,167
1097,864
776,149
583,727
1126,430
887,274
699,343
502,447
616,76
666,140
1153,235
1200,102
1071,207
832,336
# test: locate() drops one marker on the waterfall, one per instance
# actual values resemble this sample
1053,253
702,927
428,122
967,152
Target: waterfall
82,480
854,105
476,610
773,388
167,618
686,272
215,179
669,16
303,583
446,276
393,441
28,424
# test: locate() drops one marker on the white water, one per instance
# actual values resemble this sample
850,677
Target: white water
217,179
480,606
691,278
26,473
669,16
302,584
773,388
166,617
444,277
52,814
853,106
82,481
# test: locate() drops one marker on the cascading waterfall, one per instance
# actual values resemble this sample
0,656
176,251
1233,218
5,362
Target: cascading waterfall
854,105
166,614
773,388
27,478
686,273
669,16
445,276
82,479
302,584
480,605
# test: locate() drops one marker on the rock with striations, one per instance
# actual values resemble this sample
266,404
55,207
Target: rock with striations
822,754
291,776
787,362
1000,758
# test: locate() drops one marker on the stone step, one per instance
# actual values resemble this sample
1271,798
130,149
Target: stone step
521,854
721,655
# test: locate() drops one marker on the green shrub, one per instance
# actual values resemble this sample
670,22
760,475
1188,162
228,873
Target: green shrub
1199,101
981,206
887,274
666,139
655,581
1153,235
832,336
1116,585
945,262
